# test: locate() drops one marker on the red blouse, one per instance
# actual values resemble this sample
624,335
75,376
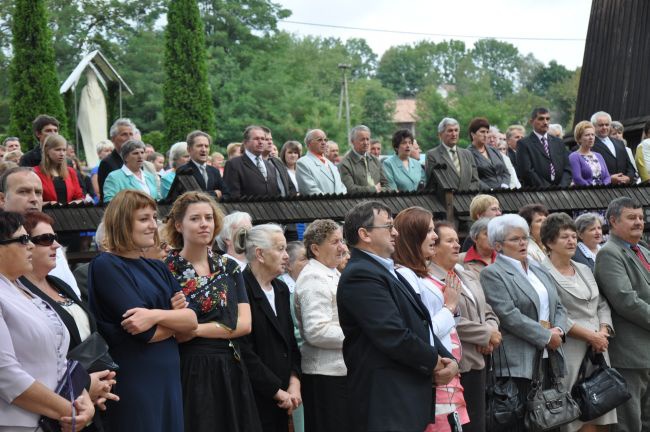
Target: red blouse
72,187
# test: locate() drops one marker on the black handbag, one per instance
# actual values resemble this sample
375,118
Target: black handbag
548,408
93,354
600,392
503,405
74,382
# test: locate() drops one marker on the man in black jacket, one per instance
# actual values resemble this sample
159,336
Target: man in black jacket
394,360
43,125
121,131
612,150
207,176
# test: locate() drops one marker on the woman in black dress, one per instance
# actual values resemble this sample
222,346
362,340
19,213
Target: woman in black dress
217,393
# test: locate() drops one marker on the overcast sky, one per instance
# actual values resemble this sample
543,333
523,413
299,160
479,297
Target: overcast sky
501,19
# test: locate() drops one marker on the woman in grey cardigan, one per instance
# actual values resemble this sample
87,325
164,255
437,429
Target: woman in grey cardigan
589,317
524,297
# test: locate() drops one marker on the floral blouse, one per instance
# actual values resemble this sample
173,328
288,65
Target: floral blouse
592,161
214,297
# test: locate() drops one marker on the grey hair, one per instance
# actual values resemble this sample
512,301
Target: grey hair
478,227
594,118
103,145
259,237
99,236
617,125
355,130
293,247
494,129
121,122
615,208
176,151
556,127
229,222
130,146
310,135
585,220
447,121
500,226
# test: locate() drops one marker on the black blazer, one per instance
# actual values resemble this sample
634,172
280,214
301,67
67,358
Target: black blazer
386,349
492,173
32,158
245,179
215,182
615,164
67,319
582,259
109,164
270,351
533,166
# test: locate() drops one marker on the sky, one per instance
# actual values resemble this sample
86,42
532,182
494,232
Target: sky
534,22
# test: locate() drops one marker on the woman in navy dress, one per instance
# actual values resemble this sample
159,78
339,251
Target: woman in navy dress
217,393
138,312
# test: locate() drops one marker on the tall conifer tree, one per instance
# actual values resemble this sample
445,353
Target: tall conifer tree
187,99
34,86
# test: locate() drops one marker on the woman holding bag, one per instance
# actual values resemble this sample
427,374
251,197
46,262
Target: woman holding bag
589,320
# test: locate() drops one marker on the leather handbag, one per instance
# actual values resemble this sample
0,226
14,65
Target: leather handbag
548,408
600,392
74,382
92,354
503,404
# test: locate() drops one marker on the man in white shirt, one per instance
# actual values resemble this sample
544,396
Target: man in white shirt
612,150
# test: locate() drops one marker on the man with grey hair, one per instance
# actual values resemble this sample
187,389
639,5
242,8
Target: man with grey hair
225,240
447,165
333,152
514,133
315,174
622,272
361,172
120,132
556,130
612,150
11,143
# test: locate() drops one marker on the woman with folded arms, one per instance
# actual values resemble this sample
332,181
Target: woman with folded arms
132,298
73,312
589,317
33,343
324,382
216,389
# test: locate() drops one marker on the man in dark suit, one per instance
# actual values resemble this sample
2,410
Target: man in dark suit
393,358
207,176
612,150
514,133
120,132
252,175
622,272
542,159
43,125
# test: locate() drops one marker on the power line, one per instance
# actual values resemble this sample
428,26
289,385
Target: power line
458,36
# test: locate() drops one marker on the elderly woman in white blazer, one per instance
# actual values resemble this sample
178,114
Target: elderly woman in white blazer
589,322
324,372
524,297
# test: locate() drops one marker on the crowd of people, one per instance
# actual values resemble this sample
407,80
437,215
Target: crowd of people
384,323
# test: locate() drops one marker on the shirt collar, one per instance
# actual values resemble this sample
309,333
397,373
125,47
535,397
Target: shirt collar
387,263
331,272
198,164
518,264
473,255
540,136
127,171
586,251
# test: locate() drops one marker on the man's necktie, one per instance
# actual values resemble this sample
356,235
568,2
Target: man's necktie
454,159
204,174
548,153
260,166
639,254
368,176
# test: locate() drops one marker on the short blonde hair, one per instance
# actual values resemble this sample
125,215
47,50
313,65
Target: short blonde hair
580,129
118,219
47,165
479,205
232,148
177,213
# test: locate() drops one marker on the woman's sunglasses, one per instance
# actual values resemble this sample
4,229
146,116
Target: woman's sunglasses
44,239
23,239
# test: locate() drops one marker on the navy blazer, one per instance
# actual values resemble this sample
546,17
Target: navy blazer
387,348
215,182
615,164
533,166
107,165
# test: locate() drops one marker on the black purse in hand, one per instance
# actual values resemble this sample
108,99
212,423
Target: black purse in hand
548,408
600,392
93,354
504,407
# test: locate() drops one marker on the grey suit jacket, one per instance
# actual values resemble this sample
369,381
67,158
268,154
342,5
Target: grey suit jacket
492,173
314,178
477,320
354,175
625,283
516,303
439,167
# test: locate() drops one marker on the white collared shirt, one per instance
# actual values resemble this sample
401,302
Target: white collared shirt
587,252
142,181
540,289
609,144
253,158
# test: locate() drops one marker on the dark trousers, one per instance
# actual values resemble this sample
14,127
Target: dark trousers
325,400
473,383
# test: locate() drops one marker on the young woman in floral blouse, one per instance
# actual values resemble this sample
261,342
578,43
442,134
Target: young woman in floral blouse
217,393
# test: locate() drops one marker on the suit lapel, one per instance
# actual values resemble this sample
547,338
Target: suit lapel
250,166
444,155
520,281
263,301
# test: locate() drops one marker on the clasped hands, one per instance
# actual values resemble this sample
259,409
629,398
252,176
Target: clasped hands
291,398
445,371
495,340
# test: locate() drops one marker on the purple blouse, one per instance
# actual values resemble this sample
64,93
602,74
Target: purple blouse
589,170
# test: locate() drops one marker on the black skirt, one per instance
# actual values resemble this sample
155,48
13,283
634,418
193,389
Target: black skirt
217,393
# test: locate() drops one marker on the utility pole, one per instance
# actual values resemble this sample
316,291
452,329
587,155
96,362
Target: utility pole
345,96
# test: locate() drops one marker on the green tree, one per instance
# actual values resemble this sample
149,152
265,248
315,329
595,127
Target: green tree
431,108
34,87
374,107
501,62
546,76
407,69
187,100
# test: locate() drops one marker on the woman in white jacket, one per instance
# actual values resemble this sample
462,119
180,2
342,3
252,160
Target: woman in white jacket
324,372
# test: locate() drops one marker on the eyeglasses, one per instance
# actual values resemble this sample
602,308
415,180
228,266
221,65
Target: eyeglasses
45,239
517,240
389,226
23,240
